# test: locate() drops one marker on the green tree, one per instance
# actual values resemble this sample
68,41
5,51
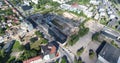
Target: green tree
2,55
95,36
11,59
64,60
77,60
28,54
80,51
39,34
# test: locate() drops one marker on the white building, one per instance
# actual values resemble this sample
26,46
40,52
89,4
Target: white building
1,4
35,1
88,13
78,8
112,16
94,2
96,16
102,14
61,1
1,39
26,2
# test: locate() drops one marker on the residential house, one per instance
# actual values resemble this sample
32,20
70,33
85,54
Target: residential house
108,54
36,59
77,8
102,11
49,51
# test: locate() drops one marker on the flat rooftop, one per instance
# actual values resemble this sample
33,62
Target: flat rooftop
110,53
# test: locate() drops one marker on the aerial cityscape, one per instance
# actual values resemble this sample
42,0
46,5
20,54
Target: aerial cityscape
59,31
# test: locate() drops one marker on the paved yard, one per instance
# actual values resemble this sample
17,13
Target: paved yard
85,54
86,41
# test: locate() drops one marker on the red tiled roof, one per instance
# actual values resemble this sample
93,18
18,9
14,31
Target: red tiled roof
75,5
32,59
53,50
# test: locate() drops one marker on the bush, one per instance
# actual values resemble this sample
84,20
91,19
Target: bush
77,61
27,54
91,53
83,31
2,31
34,39
64,59
114,44
11,59
95,36
73,39
39,34
80,51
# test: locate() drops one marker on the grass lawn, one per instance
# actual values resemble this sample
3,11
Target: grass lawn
103,21
84,1
17,47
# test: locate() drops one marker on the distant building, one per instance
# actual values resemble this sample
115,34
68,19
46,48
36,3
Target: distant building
49,51
26,25
108,54
26,9
109,33
1,39
35,1
77,8
94,2
27,2
102,12
112,16
1,4
8,46
36,59
61,1
96,16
